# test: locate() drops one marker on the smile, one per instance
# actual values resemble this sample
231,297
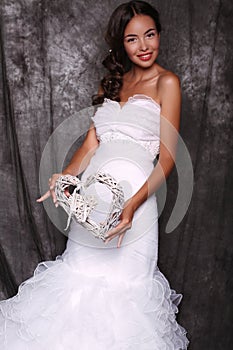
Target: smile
145,57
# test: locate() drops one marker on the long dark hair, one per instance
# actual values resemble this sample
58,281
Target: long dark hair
117,61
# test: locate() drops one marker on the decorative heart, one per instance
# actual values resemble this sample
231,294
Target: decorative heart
80,206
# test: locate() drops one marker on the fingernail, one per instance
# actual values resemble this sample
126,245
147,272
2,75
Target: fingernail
56,205
51,187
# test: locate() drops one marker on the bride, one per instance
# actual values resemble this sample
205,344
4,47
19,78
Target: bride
111,295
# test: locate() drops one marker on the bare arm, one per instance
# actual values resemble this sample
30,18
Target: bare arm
170,95
78,163
83,155
169,90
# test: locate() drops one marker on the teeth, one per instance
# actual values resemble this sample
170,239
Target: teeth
145,56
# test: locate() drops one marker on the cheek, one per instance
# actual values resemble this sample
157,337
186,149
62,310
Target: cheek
130,50
156,44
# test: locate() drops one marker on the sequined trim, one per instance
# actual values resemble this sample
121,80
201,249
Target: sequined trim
151,146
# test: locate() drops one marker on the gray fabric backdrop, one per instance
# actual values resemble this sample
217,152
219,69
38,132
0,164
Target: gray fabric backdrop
51,54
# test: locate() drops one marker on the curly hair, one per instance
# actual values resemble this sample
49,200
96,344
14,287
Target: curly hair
117,61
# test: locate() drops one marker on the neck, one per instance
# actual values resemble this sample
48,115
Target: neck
138,74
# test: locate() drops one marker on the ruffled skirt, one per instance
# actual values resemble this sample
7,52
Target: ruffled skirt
75,303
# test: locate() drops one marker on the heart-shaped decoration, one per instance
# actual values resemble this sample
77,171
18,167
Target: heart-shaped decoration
80,206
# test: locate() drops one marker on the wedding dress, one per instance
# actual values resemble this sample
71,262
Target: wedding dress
96,296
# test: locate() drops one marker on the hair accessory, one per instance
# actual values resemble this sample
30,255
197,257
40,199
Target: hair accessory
80,206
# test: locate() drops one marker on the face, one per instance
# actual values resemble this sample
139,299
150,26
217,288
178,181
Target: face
141,40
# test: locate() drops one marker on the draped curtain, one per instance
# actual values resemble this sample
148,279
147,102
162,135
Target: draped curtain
50,54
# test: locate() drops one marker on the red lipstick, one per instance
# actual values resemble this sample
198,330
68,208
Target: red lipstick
145,56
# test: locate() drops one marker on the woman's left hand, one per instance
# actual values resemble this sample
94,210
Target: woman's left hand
126,218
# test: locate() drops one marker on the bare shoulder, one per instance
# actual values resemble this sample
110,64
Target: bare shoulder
168,79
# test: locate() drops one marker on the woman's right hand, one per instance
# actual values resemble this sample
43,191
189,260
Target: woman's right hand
51,192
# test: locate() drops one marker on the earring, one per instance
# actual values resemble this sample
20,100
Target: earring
110,50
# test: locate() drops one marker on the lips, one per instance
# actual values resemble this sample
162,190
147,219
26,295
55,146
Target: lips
145,56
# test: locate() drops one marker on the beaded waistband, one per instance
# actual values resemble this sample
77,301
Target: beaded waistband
151,146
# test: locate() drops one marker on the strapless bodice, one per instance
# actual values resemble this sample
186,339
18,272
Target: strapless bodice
138,120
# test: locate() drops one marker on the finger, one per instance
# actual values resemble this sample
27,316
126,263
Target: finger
52,181
52,185
54,198
67,193
109,238
120,240
45,196
115,230
123,231
118,229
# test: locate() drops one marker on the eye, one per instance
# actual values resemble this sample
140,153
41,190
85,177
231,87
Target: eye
131,40
150,35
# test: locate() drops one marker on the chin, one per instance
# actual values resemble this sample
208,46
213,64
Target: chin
146,64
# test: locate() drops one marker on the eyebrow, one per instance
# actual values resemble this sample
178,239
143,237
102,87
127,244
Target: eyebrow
144,33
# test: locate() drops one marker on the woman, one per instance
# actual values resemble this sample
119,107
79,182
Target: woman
109,298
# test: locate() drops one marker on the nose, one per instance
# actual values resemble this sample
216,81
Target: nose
143,45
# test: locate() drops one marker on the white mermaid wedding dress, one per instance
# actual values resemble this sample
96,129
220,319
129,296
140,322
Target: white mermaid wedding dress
97,296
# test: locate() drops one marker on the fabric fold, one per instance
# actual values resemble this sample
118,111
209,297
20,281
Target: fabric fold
59,308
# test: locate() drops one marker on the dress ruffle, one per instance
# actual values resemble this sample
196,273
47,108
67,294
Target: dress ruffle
59,308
